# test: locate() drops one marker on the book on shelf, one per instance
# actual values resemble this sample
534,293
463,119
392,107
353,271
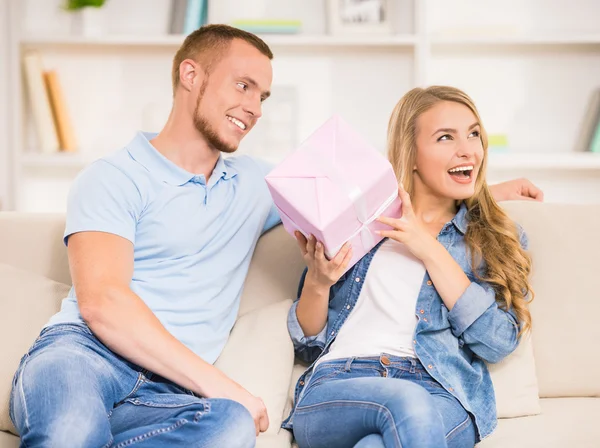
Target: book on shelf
40,102
589,132
188,15
62,121
51,120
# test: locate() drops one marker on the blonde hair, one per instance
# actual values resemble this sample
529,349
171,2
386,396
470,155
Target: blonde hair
492,237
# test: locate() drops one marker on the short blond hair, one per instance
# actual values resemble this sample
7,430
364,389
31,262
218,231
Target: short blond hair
209,44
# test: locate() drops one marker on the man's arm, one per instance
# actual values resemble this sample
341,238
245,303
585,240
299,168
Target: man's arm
102,268
516,190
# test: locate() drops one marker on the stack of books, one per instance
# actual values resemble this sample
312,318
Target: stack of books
49,112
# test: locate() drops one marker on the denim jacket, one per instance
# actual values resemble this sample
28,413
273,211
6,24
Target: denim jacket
452,345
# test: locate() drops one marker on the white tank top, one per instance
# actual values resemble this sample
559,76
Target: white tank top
383,319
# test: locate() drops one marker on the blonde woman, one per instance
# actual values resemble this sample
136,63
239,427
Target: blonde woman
397,344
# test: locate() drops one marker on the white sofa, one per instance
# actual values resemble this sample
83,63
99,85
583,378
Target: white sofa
564,242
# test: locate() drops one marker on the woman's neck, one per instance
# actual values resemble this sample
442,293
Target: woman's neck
433,211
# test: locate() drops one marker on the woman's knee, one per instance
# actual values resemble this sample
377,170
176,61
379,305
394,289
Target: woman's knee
413,404
371,441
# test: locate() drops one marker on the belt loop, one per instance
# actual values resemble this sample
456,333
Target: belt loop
413,365
348,363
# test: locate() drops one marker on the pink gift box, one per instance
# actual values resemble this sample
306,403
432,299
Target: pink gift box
334,186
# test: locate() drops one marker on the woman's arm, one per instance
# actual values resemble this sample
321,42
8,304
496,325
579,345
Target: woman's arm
490,332
307,319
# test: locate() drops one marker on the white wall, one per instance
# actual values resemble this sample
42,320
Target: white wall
4,105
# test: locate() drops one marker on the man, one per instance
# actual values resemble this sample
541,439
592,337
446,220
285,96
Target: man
160,236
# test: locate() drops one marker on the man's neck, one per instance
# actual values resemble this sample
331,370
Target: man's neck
181,143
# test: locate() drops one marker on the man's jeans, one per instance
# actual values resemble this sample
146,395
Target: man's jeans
383,401
72,391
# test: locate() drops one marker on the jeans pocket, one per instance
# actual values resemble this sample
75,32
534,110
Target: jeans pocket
169,401
324,373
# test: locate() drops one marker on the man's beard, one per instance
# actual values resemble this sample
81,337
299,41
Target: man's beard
206,129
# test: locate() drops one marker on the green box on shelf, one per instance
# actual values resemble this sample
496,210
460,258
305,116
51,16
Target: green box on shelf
268,26
498,143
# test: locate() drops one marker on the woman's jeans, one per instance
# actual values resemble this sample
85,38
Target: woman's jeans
72,391
382,401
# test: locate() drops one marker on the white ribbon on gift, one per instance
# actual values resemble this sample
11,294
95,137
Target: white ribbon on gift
366,237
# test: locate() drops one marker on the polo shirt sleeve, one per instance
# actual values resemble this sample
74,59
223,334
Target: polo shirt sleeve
273,217
103,199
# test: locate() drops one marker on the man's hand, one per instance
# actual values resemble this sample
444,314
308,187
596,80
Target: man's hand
516,190
255,406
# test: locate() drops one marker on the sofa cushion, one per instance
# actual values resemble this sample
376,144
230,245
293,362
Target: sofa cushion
515,382
266,440
8,440
259,355
274,272
563,422
28,300
564,243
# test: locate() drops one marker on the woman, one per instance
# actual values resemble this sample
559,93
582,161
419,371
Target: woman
381,377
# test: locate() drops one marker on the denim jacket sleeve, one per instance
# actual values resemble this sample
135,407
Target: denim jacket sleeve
307,348
490,332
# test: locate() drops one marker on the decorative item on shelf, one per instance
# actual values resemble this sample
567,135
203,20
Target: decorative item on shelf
268,26
188,15
88,17
498,143
359,16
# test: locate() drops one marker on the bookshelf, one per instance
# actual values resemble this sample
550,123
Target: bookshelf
172,42
531,79
547,40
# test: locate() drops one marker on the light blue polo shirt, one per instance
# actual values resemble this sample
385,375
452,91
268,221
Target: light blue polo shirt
193,241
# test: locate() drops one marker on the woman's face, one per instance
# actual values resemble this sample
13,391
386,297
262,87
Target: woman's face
449,151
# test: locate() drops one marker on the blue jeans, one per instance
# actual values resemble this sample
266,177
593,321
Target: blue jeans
382,401
71,390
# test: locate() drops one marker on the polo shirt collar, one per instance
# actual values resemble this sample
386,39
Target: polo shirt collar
142,151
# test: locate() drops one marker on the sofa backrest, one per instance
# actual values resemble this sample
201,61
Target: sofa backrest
34,242
565,246
563,241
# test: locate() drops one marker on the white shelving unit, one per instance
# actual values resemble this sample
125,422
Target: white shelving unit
531,81
174,41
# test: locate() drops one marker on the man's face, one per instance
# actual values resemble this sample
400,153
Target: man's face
230,100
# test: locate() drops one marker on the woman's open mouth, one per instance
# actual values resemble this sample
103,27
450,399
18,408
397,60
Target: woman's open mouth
462,174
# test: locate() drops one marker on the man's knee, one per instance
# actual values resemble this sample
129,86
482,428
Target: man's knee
237,429
80,426
55,400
